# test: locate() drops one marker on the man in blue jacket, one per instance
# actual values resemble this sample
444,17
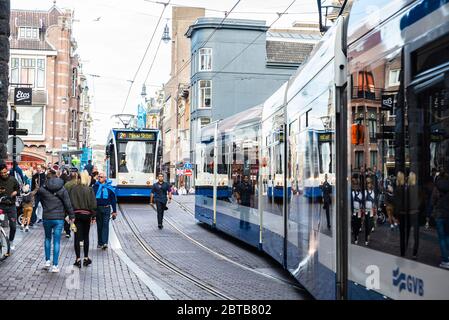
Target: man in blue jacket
105,195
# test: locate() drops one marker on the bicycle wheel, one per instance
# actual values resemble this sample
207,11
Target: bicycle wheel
4,245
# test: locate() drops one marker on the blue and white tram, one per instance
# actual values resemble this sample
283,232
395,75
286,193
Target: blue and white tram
393,51
132,159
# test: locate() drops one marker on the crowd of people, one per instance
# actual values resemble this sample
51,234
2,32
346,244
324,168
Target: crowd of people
63,200
408,204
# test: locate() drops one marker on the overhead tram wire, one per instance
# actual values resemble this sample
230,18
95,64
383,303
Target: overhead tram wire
144,55
154,59
208,38
252,42
236,12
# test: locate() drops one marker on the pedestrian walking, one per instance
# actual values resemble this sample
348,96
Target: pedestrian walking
27,206
159,196
244,191
56,203
89,167
70,181
84,206
440,199
105,195
38,179
326,189
9,190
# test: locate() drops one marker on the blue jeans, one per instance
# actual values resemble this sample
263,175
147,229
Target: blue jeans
103,216
443,237
55,226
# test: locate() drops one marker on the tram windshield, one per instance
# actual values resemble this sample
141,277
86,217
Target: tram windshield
136,156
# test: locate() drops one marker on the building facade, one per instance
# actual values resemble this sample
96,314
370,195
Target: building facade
239,66
175,115
43,58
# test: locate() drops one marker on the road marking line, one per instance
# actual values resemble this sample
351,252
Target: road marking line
158,291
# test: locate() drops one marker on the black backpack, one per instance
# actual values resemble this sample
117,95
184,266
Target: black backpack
27,198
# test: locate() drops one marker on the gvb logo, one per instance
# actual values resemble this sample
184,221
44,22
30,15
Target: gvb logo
408,282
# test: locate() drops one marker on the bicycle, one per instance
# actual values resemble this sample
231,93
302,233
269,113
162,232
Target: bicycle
5,248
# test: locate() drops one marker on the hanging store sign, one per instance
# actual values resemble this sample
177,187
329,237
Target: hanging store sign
388,102
23,96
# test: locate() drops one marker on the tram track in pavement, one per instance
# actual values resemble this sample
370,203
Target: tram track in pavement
167,264
223,257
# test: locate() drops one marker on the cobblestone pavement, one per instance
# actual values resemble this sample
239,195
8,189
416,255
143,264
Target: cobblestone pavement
230,279
126,272
108,278
239,251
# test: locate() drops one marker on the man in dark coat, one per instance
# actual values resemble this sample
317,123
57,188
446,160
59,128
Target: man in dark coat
244,191
326,189
10,188
159,195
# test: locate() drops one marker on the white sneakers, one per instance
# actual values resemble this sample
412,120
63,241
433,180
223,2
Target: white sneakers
12,246
54,269
47,264
27,229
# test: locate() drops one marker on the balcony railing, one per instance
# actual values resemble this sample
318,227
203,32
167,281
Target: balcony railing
366,93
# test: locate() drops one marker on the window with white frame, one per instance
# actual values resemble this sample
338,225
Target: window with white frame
205,61
29,33
31,118
15,69
28,71
393,79
73,124
204,93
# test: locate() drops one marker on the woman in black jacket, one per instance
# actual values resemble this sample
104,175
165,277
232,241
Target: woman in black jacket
84,205
400,208
56,204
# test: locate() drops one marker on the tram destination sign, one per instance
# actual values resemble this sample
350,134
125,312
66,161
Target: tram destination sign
128,135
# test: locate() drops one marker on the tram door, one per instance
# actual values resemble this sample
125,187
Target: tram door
273,179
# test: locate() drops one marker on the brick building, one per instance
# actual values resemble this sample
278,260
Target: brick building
43,56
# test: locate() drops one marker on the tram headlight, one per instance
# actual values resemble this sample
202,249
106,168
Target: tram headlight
124,182
148,183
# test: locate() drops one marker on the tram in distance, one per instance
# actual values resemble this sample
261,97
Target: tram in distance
131,160
302,136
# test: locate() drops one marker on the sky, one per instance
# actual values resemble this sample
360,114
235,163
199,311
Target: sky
112,36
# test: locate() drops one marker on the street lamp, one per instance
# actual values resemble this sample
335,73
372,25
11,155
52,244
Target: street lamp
166,35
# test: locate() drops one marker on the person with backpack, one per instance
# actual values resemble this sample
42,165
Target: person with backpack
56,203
84,205
356,209
27,206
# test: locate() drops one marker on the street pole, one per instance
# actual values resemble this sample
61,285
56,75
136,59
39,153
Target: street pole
4,74
14,139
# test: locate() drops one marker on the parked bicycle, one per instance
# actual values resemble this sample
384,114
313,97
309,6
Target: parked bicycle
4,241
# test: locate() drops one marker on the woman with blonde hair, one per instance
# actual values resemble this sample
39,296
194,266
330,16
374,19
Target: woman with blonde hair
414,205
84,205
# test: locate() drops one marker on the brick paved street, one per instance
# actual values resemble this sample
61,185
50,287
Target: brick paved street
22,276
126,272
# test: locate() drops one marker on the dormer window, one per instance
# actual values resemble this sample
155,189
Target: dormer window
29,33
